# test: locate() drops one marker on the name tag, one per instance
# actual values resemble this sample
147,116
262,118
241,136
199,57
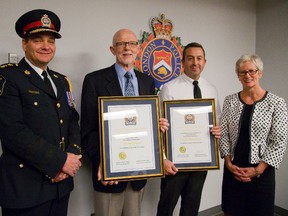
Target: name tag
33,92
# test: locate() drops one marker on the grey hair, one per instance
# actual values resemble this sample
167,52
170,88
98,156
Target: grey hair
252,58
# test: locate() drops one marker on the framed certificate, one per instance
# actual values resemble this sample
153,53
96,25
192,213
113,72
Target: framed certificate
130,138
189,142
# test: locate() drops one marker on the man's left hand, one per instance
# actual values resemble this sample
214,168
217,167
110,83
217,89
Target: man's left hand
164,124
215,130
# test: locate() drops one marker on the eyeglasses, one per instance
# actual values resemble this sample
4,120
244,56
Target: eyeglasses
123,44
250,72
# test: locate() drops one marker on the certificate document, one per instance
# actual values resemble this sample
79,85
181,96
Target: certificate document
190,133
130,140
189,143
130,137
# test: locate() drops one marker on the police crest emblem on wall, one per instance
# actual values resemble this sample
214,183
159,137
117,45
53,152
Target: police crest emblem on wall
160,54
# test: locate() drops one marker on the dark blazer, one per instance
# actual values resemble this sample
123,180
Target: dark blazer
104,83
32,124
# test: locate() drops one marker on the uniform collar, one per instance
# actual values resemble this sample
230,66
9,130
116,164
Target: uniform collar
37,69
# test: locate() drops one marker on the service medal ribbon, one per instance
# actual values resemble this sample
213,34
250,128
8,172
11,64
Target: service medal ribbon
70,99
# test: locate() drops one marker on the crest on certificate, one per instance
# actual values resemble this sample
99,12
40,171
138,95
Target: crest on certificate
189,119
160,53
130,120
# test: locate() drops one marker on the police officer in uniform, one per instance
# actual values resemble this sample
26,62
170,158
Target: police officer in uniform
39,128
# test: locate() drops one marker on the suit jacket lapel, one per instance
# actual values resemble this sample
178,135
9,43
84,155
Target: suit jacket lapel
113,86
58,83
141,83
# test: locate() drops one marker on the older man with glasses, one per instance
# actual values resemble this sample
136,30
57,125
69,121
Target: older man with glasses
113,198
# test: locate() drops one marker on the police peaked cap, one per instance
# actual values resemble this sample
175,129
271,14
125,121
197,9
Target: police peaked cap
37,21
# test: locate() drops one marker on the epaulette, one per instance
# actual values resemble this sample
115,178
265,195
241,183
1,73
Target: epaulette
57,74
7,65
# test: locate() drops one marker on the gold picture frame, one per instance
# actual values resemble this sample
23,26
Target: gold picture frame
189,144
130,139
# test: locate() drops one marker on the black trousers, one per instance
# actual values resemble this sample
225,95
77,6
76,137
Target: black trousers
189,186
57,207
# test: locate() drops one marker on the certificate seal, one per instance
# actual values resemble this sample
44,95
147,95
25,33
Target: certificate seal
122,156
182,149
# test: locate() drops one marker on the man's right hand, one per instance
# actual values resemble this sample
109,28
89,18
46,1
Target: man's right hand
170,168
72,164
60,177
99,177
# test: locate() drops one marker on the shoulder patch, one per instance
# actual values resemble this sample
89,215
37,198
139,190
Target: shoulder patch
2,84
8,65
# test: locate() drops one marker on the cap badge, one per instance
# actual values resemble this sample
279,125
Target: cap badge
46,22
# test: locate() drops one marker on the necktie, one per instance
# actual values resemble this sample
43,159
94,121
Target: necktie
48,83
129,89
197,90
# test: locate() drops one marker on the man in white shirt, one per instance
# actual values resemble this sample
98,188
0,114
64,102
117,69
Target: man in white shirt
187,184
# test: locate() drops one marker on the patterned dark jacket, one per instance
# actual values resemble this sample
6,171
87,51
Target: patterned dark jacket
268,128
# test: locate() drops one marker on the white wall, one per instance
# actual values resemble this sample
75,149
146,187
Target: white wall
272,46
227,29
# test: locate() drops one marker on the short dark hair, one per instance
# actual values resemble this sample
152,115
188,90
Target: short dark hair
193,44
